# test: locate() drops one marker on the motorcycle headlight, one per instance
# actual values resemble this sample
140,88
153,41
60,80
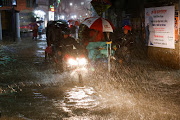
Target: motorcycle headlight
72,62
82,61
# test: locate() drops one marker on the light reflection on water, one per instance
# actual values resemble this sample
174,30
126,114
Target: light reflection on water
42,46
40,53
78,98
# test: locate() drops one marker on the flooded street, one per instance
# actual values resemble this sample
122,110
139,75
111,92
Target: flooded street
30,90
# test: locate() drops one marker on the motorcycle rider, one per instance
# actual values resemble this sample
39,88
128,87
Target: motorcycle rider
66,46
126,45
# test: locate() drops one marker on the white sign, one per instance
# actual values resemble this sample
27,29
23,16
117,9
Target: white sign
51,16
14,2
159,26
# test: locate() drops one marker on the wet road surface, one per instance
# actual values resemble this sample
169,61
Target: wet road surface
31,90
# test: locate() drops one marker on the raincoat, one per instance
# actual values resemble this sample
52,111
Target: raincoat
126,45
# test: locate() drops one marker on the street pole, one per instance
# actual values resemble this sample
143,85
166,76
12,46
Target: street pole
18,26
13,24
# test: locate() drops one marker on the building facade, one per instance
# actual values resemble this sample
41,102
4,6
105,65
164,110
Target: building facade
15,15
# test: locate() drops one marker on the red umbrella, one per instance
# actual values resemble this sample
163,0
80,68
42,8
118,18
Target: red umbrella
76,23
98,23
70,21
31,25
73,22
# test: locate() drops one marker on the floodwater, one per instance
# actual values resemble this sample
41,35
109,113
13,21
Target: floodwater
30,90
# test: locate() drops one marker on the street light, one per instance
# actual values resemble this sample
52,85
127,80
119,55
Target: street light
82,3
14,2
62,17
70,4
74,16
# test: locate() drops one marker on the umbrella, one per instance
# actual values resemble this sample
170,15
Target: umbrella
100,5
62,22
33,24
73,22
99,24
70,21
40,21
76,23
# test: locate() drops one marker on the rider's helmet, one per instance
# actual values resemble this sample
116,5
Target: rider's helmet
127,27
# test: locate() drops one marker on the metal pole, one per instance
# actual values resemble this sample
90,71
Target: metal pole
13,25
109,55
17,26
109,58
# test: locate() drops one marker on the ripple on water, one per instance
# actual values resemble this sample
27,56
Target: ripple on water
78,98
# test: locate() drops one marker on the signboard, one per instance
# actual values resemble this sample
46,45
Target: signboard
52,8
176,27
159,25
14,2
51,16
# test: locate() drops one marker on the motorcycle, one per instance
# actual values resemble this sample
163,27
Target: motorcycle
66,60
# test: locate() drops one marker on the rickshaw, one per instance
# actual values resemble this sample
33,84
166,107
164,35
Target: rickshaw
100,53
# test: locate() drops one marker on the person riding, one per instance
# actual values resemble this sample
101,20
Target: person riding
126,44
68,42
66,46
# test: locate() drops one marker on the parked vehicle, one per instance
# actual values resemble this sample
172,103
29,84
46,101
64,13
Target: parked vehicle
25,28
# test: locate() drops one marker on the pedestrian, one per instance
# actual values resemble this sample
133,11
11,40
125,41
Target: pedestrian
107,36
35,31
125,46
40,29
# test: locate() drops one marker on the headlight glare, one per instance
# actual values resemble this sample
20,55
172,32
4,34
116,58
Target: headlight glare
72,62
82,61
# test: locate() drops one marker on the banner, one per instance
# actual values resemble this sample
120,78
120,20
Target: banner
159,26
51,16
176,27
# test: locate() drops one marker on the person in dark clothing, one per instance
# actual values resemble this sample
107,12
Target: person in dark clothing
125,45
35,32
68,43
73,29
54,37
66,46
